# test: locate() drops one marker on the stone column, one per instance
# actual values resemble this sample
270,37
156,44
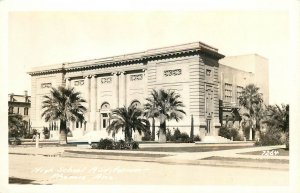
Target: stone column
115,90
98,120
93,101
87,97
122,90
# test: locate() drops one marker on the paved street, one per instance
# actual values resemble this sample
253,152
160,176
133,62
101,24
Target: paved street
62,170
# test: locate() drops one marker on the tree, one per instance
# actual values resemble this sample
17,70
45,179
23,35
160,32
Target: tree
128,119
64,105
15,125
251,100
278,117
150,113
166,106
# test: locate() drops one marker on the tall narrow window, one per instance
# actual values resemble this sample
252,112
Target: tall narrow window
228,92
25,111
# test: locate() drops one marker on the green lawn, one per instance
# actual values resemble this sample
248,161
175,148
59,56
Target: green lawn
191,149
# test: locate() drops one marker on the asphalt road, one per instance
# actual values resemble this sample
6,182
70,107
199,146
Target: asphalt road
58,170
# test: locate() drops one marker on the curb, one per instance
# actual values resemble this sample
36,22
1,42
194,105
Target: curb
166,160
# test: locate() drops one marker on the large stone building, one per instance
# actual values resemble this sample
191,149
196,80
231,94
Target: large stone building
191,69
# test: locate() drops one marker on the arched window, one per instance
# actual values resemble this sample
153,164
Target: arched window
104,118
105,106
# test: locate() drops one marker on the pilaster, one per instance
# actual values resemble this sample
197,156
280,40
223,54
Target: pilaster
122,90
93,101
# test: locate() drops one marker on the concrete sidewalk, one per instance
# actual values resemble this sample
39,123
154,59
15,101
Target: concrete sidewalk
230,158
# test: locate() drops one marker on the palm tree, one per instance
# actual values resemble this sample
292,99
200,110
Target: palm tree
63,104
278,117
149,112
166,106
251,100
128,119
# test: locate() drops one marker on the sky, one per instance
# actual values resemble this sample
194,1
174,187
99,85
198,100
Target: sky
43,38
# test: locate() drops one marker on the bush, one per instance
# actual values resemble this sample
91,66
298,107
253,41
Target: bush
178,137
46,133
135,145
168,135
184,137
197,138
105,144
109,144
230,133
273,136
225,132
14,141
147,136
121,144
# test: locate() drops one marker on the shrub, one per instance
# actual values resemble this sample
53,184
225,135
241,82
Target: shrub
225,132
105,144
197,138
28,136
168,135
14,141
147,136
273,136
184,137
230,133
119,145
46,133
135,145
176,135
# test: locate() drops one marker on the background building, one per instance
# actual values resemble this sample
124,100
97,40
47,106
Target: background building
235,73
191,69
20,104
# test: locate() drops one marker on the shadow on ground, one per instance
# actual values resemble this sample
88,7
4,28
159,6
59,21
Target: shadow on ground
13,180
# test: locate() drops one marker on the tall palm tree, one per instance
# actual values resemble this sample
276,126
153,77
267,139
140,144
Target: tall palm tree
63,104
128,119
166,106
251,100
149,113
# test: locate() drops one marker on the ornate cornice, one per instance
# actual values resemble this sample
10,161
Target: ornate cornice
141,57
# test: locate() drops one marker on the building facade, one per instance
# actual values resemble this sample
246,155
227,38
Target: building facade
20,104
191,69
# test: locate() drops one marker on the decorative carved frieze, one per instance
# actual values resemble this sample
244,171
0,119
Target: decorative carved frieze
136,77
175,72
79,82
46,85
106,80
